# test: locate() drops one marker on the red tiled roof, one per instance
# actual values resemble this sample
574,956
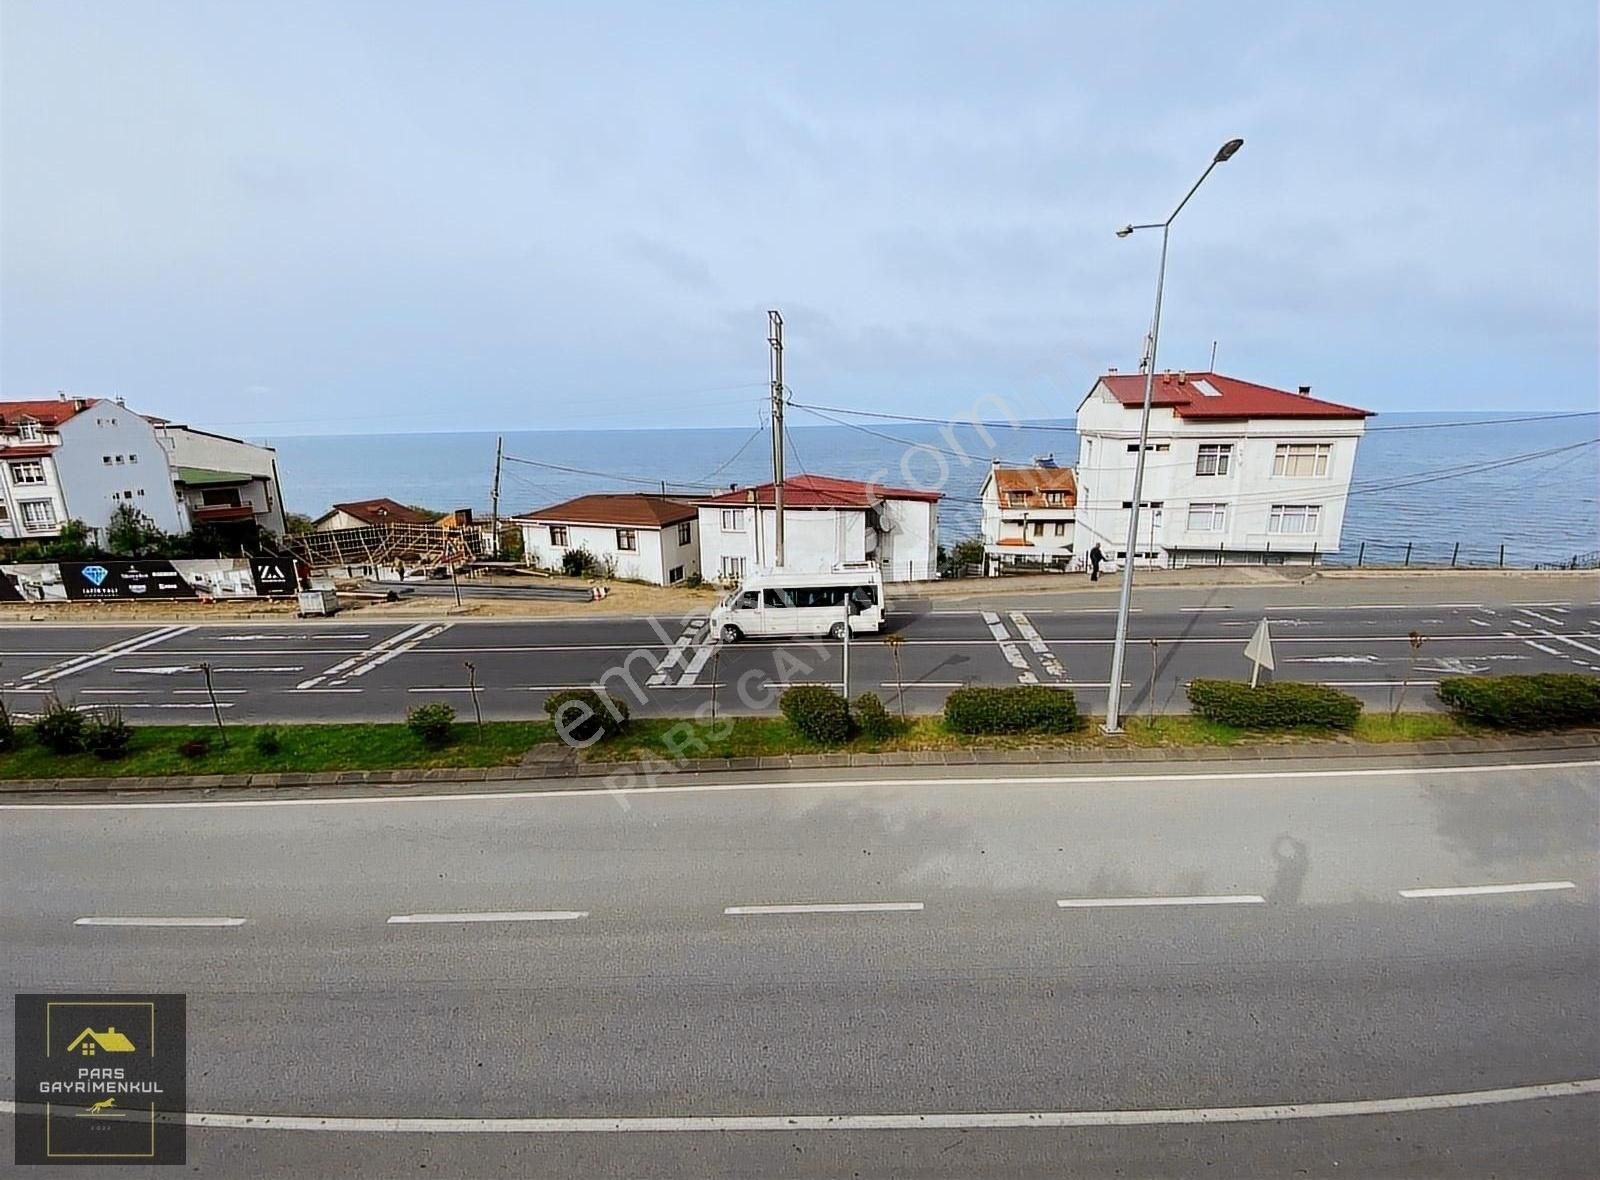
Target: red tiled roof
1032,483
1235,398
45,411
381,510
629,509
823,491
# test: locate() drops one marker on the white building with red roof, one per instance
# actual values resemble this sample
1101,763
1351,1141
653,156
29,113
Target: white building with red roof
633,534
1234,471
826,521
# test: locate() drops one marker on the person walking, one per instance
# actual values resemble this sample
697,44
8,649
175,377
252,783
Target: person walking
1095,558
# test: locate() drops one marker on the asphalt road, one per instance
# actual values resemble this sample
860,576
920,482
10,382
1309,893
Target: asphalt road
1321,936
353,668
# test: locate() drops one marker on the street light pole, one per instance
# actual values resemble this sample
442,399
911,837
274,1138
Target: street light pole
1125,598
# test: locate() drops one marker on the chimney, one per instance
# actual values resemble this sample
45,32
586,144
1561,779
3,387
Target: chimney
1112,369
122,401
1183,375
80,404
1305,391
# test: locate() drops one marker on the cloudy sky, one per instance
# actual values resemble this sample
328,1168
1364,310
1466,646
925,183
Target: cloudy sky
343,217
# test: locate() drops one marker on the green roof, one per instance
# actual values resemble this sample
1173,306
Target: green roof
199,476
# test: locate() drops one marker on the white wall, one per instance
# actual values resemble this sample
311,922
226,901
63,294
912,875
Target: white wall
198,448
13,494
675,554
814,539
643,565
1106,467
908,546
103,429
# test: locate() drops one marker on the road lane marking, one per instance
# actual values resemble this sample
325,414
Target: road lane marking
352,661
675,654
1479,890
601,792
1480,622
158,922
702,657
1533,614
888,1121
1040,648
489,916
388,654
843,907
1012,653
83,663
1091,903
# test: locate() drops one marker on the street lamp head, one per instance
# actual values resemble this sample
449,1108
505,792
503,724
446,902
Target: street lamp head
1125,231
1226,151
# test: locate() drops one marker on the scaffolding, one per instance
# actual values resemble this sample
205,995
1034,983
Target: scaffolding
389,546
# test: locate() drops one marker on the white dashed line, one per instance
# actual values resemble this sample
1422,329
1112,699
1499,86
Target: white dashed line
489,916
1479,890
1091,903
848,907
158,922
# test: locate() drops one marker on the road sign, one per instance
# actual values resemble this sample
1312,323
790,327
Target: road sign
1259,651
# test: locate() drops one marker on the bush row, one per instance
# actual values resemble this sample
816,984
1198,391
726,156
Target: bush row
1017,708
1278,705
1546,700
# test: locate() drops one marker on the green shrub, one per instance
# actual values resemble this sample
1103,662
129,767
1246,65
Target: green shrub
1018,708
1279,705
875,721
268,741
434,724
10,738
817,713
106,735
584,715
1546,700
579,563
60,730
195,748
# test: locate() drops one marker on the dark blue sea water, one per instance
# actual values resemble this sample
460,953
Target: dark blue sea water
1416,481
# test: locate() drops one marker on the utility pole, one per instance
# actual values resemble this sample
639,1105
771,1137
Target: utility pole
775,338
494,497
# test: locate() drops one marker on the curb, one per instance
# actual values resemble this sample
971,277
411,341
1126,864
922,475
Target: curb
1041,756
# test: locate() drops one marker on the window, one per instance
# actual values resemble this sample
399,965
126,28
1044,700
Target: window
1016,499
1054,500
627,540
5,513
1214,459
26,473
1038,528
778,598
1302,460
558,535
118,459
1061,528
749,600
733,520
1294,518
675,574
1207,518
220,498
38,514
106,459
141,491
685,534
1133,447
28,431
732,567
133,458
127,493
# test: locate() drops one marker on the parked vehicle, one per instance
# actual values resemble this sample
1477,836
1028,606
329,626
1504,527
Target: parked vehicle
779,603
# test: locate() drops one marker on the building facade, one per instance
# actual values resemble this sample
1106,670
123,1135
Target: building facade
1234,472
1029,516
89,456
223,481
827,521
635,535
366,514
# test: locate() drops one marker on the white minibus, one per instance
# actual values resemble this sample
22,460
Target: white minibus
783,603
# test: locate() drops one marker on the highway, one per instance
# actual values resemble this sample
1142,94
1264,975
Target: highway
1012,974
356,668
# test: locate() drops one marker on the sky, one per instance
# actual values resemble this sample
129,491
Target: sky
336,217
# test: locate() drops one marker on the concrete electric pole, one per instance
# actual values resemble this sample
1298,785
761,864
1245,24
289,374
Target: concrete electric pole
775,339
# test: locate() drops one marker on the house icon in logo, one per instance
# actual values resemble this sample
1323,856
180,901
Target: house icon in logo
95,574
111,1041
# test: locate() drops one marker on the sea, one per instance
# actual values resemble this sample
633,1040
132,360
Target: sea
1440,486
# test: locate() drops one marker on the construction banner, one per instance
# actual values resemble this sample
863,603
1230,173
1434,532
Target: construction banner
117,578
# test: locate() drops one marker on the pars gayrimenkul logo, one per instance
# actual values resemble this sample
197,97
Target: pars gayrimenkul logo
95,574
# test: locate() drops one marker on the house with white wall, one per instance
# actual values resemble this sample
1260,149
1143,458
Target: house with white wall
1235,472
826,521
637,535
1029,515
224,481
98,455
